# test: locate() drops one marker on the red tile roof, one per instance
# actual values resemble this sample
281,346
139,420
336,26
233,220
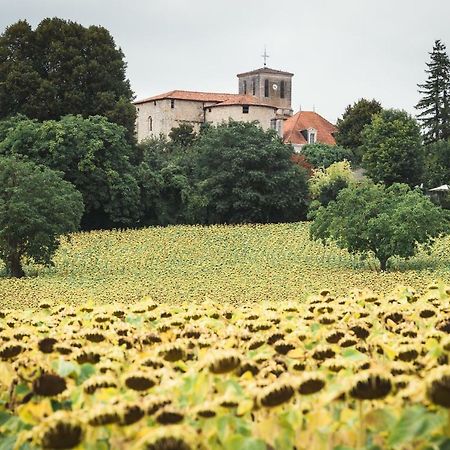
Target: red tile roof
304,120
244,100
190,95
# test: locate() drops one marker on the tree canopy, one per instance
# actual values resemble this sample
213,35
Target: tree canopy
350,126
244,174
92,153
63,68
36,207
392,147
434,105
379,220
323,155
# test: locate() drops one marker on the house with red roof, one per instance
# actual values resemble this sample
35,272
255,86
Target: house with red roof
264,95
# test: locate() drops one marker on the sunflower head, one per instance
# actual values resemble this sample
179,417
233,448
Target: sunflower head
311,383
224,361
438,386
140,381
169,416
91,385
59,431
371,385
276,394
49,384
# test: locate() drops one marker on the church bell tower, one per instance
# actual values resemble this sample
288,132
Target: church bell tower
269,85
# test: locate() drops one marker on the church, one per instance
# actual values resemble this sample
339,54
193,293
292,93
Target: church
264,95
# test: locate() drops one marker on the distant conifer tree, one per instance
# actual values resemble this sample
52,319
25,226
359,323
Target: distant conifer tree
435,102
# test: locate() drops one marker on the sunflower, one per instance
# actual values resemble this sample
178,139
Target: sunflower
49,384
169,416
100,416
47,344
371,385
224,361
438,386
276,394
166,443
10,350
59,431
311,383
94,383
140,381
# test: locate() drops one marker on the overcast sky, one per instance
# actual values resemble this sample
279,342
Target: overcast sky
339,51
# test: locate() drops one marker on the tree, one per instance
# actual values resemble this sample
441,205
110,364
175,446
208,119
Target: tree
183,136
325,184
379,220
392,147
437,164
244,174
63,68
323,155
352,123
435,102
36,207
92,153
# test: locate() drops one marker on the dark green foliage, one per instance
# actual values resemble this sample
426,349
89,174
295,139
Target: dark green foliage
183,136
435,102
244,174
392,147
92,153
383,221
323,155
437,164
36,207
63,68
352,123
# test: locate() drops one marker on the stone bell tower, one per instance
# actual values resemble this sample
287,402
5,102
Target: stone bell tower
271,86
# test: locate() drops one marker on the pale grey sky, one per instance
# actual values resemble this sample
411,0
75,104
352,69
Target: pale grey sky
339,51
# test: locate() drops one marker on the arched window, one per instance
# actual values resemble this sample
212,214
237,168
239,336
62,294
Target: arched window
150,123
245,87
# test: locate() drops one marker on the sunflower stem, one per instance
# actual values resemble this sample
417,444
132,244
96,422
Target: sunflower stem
447,431
362,431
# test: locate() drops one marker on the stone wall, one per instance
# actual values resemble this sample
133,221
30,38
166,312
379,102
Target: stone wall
263,114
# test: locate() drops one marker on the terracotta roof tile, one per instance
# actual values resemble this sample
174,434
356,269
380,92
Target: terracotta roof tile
190,95
243,100
304,120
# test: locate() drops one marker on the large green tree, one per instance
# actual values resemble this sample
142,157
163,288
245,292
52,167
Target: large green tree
381,221
392,147
63,68
36,207
350,126
245,174
435,102
323,155
92,153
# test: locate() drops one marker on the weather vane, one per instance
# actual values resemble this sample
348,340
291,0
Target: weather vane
265,56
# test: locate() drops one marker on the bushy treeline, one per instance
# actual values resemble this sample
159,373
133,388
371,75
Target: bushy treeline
232,173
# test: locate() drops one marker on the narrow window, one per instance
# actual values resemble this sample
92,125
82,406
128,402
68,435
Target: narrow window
254,87
273,124
266,88
154,102
312,138
282,87
245,87
172,103
150,123
245,109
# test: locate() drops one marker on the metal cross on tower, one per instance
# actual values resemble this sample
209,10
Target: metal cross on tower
265,56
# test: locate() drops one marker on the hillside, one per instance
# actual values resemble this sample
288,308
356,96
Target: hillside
221,263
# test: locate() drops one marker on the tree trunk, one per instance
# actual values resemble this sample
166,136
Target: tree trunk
15,266
383,263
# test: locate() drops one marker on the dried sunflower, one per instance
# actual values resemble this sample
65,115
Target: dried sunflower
371,385
62,430
49,384
276,394
224,361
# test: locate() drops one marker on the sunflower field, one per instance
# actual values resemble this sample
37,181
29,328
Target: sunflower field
226,264
339,372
